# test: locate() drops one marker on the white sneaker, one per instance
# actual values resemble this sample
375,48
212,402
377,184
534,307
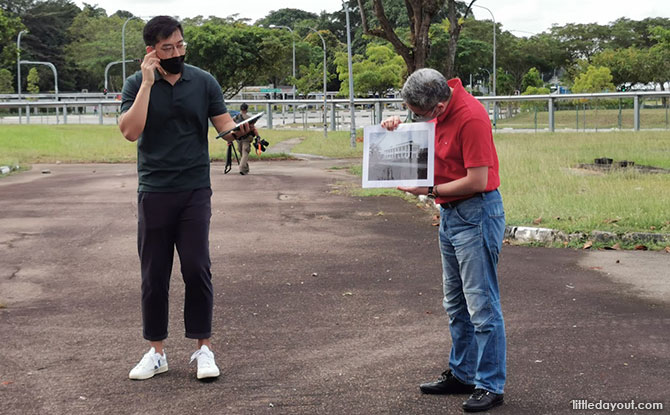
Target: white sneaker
151,364
206,366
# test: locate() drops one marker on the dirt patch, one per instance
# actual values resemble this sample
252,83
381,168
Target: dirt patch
608,165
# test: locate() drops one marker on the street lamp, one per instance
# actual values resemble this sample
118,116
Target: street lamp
494,45
495,105
351,79
109,65
18,68
123,45
293,37
325,123
18,61
488,72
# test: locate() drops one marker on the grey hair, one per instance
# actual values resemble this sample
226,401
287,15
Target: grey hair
425,88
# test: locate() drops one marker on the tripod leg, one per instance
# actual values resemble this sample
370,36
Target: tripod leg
236,157
229,161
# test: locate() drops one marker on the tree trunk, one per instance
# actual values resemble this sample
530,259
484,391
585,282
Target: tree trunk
455,27
420,13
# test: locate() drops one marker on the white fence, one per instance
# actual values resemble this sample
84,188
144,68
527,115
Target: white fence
310,114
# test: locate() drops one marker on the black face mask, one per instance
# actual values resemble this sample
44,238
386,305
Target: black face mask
173,65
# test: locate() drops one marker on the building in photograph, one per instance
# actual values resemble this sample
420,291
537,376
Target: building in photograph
406,151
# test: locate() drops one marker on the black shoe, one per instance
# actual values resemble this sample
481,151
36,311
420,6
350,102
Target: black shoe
446,384
242,173
482,400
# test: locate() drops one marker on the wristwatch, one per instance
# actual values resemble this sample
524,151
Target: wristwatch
430,192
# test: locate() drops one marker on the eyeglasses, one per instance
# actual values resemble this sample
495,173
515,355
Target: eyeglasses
169,49
427,116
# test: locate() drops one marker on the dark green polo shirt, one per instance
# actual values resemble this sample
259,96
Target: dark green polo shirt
173,152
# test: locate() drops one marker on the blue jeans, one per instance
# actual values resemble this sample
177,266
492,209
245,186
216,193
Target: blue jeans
470,236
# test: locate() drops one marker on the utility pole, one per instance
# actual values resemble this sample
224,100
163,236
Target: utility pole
351,80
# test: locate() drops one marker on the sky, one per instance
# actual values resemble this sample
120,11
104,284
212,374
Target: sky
521,17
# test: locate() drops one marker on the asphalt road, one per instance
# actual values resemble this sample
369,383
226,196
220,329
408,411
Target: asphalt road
325,304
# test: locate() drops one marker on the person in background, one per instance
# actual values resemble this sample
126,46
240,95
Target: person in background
243,141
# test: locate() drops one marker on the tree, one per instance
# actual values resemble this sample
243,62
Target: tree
595,79
311,78
661,36
96,41
625,33
505,83
455,26
474,51
626,65
9,29
536,90
47,23
235,53
6,82
534,105
33,81
659,56
337,25
415,50
581,41
383,70
16,7
531,79
332,45
286,17
639,64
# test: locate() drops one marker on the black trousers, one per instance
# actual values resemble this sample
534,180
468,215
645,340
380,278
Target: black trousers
166,220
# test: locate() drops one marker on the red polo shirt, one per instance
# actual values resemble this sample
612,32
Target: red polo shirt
463,139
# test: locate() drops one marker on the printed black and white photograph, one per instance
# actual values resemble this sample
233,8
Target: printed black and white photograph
403,157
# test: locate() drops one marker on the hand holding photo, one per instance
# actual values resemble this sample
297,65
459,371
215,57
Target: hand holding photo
403,157
251,120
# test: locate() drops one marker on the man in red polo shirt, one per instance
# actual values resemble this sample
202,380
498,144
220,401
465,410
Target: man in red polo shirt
472,225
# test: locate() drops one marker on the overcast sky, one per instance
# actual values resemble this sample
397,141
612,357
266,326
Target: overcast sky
522,16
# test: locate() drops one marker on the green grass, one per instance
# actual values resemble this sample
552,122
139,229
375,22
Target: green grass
28,144
589,119
541,185
537,170
336,145
538,181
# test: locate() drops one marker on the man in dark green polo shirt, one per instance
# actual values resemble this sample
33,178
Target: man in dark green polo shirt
166,108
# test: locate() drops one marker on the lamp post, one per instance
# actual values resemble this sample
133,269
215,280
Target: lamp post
18,68
488,83
495,104
325,101
55,72
351,79
293,37
123,45
109,65
494,45
488,72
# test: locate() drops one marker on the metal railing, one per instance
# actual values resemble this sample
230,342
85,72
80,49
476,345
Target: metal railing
104,109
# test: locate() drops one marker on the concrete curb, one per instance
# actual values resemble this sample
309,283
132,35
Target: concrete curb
529,234
8,169
526,234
